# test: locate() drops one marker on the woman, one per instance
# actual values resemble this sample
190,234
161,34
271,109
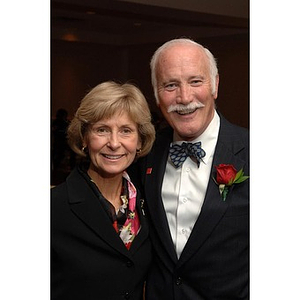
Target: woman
99,234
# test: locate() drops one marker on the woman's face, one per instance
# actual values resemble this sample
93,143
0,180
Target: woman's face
112,144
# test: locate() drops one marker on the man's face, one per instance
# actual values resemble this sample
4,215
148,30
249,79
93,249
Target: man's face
184,88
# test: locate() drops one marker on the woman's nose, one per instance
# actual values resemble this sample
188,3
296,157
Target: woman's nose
113,141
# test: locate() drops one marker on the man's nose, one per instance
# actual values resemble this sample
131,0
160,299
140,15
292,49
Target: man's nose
184,95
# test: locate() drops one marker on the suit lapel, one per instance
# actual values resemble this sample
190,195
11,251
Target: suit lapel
155,170
214,207
85,204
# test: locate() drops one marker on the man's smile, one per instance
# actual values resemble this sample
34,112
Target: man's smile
186,111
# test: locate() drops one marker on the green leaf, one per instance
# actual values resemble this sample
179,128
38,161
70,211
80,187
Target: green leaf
225,192
241,179
239,174
231,181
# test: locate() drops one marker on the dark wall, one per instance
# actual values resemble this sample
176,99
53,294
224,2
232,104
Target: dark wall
232,55
77,67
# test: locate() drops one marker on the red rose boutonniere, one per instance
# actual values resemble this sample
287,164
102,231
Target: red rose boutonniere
227,176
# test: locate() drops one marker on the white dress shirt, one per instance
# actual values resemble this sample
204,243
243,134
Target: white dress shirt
184,188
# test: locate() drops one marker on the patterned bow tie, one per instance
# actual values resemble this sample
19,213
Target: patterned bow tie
179,153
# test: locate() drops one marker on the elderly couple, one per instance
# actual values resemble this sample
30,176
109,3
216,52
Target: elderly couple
159,218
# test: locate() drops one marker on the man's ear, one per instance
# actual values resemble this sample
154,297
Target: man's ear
215,95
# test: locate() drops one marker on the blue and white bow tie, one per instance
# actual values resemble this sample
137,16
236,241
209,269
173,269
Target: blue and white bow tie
179,153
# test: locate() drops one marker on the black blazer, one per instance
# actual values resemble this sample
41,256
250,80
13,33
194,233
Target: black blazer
215,261
88,258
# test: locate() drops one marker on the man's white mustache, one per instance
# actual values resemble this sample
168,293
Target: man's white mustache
182,107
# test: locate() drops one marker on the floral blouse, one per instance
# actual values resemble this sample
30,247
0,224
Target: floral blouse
125,220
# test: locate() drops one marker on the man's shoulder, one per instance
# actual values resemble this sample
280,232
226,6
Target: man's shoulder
228,128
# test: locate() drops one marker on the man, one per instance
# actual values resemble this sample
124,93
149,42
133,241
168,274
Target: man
200,235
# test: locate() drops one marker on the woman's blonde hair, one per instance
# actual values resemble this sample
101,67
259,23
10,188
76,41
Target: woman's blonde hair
104,101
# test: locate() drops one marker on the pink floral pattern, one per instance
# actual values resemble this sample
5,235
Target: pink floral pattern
131,226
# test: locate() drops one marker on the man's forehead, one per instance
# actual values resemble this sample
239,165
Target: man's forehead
180,55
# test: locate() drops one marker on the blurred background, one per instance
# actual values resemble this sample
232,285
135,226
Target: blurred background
93,41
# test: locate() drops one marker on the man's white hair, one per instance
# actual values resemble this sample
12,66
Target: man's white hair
153,64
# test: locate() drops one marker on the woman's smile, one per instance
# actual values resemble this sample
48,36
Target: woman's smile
113,156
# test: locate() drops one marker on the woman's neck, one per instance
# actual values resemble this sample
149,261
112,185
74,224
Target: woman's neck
110,187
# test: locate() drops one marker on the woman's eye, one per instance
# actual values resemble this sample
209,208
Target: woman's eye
126,131
102,130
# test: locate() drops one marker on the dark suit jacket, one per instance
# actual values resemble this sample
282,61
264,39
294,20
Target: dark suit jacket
88,258
214,262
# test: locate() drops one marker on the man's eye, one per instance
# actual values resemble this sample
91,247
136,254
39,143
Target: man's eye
196,82
170,86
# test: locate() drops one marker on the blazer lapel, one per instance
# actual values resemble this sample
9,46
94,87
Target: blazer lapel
85,204
214,207
155,170
144,231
